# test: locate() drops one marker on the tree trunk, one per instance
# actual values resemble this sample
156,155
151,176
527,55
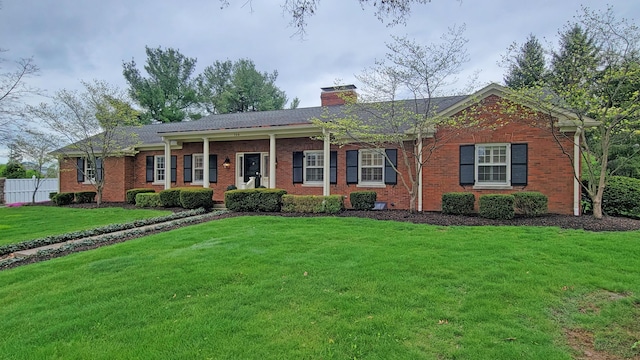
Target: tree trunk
597,206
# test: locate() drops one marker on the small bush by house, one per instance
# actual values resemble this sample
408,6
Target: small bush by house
193,198
331,204
363,200
170,197
266,200
62,199
130,195
496,206
458,203
85,197
148,200
52,195
530,203
621,197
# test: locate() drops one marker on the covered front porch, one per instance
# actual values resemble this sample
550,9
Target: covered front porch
252,166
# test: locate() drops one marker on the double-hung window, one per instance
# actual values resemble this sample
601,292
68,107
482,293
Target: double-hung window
89,170
313,167
159,168
371,167
198,168
492,165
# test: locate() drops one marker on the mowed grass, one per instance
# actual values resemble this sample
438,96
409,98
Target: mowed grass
320,288
31,222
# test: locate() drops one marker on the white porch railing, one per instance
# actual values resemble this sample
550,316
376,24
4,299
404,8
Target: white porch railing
251,184
21,190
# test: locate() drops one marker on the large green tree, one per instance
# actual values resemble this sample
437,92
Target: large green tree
169,92
230,87
526,64
595,74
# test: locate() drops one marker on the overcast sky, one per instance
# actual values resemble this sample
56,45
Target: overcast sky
73,40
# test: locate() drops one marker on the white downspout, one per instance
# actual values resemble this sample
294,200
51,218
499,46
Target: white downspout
577,189
420,190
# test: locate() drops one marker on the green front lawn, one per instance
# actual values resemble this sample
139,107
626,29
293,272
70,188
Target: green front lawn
31,222
327,288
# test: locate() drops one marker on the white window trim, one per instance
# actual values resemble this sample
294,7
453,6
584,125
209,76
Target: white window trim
493,185
362,183
304,169
193,170
156,181
87,179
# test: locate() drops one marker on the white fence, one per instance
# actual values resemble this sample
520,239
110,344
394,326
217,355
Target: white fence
21,190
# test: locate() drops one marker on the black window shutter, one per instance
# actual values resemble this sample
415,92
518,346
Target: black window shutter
298,159
213,168
80,170
187,168
467,164
333,164
519,155
99,169
390,174
174,168
352,166
150,169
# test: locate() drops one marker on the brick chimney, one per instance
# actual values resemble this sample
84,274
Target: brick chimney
337,95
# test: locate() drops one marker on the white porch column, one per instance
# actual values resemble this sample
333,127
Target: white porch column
167,164
326,170
205,163
272,161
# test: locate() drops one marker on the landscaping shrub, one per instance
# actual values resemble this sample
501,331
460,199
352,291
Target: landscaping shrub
530,203
232,187
85,197
131,194
458,203
363,200
196,198
52,195
148,200
62,199
496,206
332,204
170,197
621,197
267,200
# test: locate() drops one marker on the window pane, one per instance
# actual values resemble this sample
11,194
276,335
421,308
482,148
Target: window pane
492,173
314,174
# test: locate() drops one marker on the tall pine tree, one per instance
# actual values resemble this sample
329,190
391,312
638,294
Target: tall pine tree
527,67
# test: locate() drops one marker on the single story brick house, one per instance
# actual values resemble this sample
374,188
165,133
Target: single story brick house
279,149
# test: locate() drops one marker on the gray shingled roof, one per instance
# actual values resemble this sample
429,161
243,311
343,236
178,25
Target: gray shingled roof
151,134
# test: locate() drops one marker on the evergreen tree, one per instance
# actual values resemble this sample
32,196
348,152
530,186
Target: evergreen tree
527,67
169,93
230,87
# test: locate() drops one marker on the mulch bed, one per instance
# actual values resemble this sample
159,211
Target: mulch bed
586,222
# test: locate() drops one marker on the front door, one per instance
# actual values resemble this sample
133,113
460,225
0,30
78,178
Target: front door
252,167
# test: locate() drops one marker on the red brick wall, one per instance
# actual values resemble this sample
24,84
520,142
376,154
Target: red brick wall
117,171
549,170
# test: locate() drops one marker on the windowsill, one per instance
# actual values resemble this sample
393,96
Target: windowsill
90,182
157,183
372,185
492,187
312,185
